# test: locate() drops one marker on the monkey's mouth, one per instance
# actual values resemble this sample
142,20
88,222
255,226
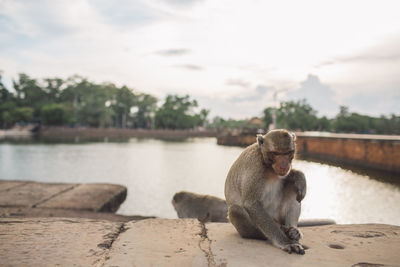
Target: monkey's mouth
282,172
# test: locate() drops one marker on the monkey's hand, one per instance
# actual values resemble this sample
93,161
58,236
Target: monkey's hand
292,232
294,247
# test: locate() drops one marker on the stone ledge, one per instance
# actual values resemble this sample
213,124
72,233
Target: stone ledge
185,242
51,242
84,197
22,212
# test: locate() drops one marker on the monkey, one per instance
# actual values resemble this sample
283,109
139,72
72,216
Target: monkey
203,207
263,193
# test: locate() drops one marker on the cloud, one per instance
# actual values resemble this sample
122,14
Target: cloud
31,20
386,52
246,103
375,102
127,13
238,82
319,96
365,58
173,52
253,95
225,108
184,3
189,67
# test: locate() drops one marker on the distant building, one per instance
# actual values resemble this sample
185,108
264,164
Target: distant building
255,123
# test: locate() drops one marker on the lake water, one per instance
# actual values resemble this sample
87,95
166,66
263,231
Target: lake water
154,170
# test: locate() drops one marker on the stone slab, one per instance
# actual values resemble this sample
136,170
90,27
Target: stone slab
55,242
159,242
90,197
333,245
23,212
6,185
185,242
31,194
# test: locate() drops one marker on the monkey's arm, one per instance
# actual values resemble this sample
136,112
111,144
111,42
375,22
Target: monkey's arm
297,177
267,225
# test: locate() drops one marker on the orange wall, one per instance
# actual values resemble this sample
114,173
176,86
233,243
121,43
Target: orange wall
377,154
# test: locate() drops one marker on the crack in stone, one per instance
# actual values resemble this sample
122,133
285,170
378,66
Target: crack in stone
111,237
107,244
53,196
13,187
205,245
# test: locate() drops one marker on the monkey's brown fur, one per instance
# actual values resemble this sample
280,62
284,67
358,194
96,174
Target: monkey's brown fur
263,194
203,207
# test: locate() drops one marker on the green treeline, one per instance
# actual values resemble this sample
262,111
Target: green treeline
301,116
79,102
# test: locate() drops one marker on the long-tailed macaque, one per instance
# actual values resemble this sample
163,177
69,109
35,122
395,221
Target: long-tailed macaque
263,193
203,207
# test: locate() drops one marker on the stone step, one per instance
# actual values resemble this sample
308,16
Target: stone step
85,197
185,242
22,212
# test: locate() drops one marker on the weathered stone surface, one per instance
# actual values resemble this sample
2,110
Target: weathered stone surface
91,197
333,245
159,242
22,212
185,242
52,242
31,194
7,185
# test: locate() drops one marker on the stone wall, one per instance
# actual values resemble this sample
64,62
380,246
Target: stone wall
374,152
367,151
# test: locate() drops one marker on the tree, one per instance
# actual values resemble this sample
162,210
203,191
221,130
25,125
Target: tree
123,101
146,106
29,93
22,115
268,117
53,89
296,116
7,105
54,114
92,109
323,124
5,95
221,123
177,113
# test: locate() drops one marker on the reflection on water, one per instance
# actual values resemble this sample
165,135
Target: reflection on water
154,170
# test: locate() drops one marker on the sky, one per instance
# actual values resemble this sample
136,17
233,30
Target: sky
230,55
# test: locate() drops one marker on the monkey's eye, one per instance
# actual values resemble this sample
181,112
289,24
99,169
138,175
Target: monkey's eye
290,153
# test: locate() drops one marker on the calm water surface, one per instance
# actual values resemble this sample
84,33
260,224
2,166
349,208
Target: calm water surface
154,170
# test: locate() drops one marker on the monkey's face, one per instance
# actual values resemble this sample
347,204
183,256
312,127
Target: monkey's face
281,161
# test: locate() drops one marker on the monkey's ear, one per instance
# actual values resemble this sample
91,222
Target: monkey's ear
293,136
260,140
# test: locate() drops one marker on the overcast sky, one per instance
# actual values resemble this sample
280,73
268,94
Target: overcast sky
229,55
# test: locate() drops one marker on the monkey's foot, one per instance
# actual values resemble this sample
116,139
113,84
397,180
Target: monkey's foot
292,232
294,247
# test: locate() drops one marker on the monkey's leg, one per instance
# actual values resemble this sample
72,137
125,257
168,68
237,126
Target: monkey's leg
290,213
239,217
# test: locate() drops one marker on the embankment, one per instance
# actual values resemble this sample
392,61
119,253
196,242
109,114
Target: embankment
376,152
104,134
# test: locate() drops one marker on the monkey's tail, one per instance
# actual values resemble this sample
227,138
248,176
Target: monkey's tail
315,222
